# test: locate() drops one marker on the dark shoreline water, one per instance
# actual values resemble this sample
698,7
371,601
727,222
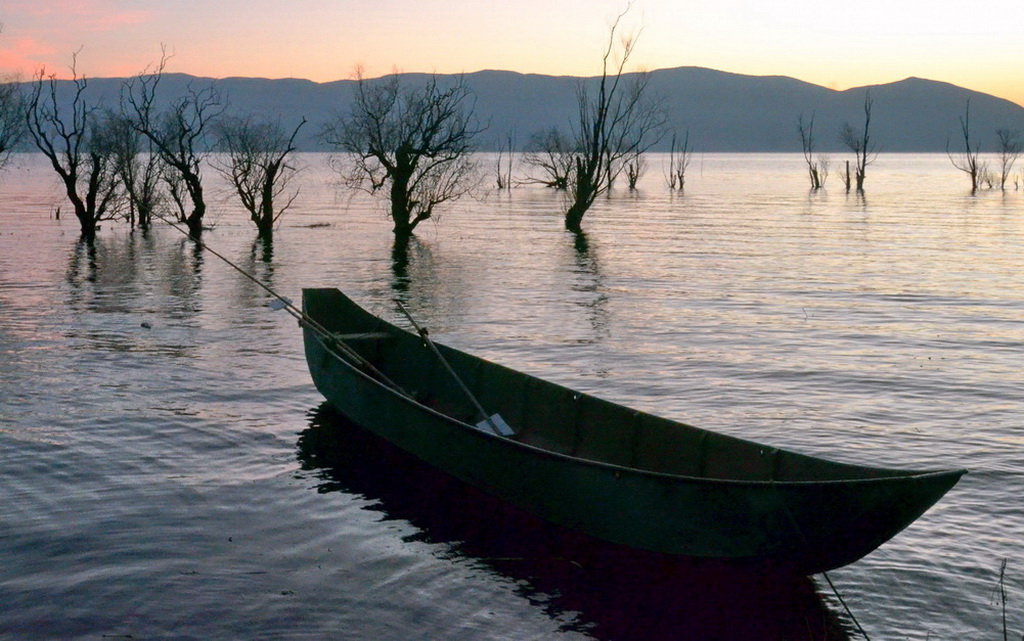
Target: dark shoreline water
614,592
167,469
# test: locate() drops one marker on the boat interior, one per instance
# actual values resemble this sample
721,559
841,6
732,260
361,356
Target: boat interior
557,419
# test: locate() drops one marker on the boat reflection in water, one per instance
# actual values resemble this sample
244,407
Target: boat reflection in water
604,590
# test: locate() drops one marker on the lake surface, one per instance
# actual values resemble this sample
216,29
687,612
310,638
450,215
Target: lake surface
168,470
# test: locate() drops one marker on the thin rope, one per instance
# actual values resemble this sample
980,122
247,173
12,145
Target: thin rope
324,337
803,537
849,612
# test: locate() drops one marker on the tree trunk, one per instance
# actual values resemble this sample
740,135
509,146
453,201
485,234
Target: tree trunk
88,225
402,229
584,192
86,220
401,208
194,222
265,223
574,217
265,220
265,230
145,213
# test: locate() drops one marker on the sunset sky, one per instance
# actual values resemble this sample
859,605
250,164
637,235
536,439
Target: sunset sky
832,43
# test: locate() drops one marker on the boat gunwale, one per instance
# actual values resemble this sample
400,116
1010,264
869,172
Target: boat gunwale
894,474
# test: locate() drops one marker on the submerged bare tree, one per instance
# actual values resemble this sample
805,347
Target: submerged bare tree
679,158
844,174
257,167
68,130
176,190
179,135
412,144
817,165
138,168
12,116
1010,147
12,119
635,166
969,160
616,120
549,155
505,161
859,142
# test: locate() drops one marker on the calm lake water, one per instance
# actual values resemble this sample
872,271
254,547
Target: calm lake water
168,470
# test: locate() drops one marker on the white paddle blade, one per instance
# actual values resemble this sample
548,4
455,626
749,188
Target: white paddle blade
494,424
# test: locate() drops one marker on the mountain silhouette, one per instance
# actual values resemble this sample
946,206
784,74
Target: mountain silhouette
724,112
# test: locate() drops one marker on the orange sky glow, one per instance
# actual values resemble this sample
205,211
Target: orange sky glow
829,44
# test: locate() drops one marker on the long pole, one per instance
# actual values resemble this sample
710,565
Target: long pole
422,331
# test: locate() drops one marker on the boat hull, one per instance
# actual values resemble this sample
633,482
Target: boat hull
805,526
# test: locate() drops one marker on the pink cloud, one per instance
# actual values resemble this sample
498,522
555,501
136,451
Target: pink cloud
88,15
26,55
30,46
47,33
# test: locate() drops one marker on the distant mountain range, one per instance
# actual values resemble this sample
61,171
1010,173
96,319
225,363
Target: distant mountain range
724,112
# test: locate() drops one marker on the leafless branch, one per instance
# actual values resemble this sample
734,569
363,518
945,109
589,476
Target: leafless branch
617,120
70,132
414,143
257,167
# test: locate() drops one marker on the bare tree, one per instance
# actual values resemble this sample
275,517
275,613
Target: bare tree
550,156
12,120
137,165
1010,147
506,158
824,166
617,121
969,161
635,166
817,165
179,135
177,191
865,152
415,145
257,167
12,116
68,131
680,155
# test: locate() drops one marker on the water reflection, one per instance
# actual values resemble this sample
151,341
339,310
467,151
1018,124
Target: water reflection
119,284
109,273
266,249
859,199
400,265
258,264
82,264
605,591
415,279
435,287
589,283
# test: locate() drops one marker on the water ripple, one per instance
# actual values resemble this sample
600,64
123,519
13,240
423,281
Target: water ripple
157,462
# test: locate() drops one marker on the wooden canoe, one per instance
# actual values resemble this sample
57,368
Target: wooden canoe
608,471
